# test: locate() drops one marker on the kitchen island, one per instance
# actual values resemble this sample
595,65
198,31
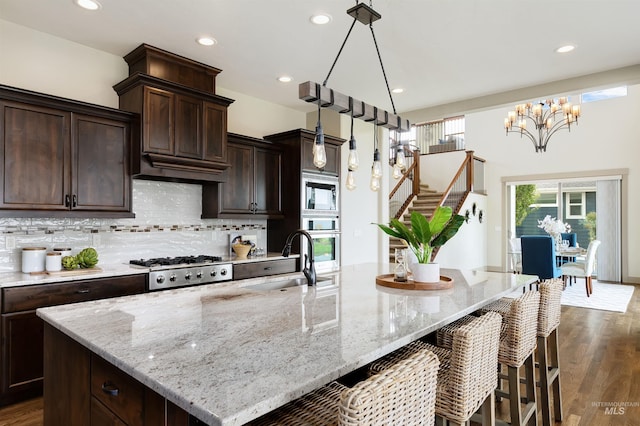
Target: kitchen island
227,354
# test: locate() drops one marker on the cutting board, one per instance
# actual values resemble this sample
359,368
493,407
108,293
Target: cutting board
69,273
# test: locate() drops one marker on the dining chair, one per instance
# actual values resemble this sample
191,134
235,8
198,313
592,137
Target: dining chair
582,269
515,252
572,237
468,376
539,256
404,393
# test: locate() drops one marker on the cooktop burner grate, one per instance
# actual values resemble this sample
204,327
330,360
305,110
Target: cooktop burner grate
179,260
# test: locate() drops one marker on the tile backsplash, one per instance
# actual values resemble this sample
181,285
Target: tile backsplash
167,223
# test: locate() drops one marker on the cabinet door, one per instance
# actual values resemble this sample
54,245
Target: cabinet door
215,132
158,121
101,416
268,177
35,168
237,195
188,127
22,346
100,158
333,158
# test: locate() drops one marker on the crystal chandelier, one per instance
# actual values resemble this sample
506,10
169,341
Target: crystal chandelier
546,119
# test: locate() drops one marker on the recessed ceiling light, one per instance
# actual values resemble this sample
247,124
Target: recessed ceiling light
320,19
285,79
206,41
88,4
397,90
565,49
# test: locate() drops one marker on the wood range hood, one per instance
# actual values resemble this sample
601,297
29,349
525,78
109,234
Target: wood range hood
181,131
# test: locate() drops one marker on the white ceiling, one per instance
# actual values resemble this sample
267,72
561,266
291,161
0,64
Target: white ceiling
439,51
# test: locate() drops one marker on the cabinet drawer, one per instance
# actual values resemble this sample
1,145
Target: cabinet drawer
261,269
37,296
120,393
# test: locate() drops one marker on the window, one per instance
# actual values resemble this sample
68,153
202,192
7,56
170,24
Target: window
598,95
575,205
546,199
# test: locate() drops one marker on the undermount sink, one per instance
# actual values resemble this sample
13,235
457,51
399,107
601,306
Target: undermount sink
287,283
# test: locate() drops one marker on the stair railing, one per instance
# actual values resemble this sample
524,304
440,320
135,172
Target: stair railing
461,185
407,188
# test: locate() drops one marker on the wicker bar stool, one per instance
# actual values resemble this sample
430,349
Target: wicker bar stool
403,394
548,355
467,377
517,348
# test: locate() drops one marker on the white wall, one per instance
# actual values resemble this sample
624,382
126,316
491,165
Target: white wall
607,137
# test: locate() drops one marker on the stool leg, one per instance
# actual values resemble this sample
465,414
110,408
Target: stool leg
532,408
544,381
489,410
514,395
555,364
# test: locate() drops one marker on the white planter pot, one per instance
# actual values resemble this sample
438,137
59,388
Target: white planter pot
426,272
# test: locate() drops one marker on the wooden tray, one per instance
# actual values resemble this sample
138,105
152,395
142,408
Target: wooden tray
386,280
69,273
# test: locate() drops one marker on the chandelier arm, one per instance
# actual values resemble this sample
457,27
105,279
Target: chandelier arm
523,132
382,66
324,83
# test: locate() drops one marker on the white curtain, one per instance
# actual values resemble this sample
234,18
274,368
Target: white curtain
608,227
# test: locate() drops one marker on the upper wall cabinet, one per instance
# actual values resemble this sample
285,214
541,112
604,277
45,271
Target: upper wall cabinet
183,123
62,158
253,182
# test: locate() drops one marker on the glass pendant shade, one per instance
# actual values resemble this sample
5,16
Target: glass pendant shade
401,162
397,172
351,181
352,160
374,184
376,170
319,153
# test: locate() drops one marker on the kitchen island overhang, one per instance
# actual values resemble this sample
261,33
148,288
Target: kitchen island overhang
227,354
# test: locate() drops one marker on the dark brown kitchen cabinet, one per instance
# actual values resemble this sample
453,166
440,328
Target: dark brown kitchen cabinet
83,389
62,158
253,185
21,349
298,145
183,123
333,156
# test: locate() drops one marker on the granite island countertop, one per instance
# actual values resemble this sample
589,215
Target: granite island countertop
228,354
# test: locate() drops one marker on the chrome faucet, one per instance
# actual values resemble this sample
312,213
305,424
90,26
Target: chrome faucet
309,269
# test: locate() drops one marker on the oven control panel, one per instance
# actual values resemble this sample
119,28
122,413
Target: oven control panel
192,275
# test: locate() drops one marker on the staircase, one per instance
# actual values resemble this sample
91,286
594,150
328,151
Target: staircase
425,202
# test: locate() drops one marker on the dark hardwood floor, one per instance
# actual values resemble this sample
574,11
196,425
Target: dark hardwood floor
600,364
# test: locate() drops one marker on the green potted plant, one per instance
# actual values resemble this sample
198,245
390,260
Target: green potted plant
424,236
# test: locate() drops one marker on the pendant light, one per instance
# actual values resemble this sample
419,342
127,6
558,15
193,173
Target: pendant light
352,161
319,153
401,161
376,168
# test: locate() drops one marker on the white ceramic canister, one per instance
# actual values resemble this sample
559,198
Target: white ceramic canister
54,261
64,251
33,259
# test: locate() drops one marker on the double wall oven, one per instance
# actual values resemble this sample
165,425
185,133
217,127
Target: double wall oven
321,218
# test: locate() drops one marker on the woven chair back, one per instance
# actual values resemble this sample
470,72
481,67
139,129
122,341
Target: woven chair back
472,373
404,394
549,312
518,338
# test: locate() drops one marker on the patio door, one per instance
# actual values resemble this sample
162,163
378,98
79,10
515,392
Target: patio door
591,206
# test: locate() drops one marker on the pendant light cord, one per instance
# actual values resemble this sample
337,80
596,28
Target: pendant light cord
339,52
382,66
